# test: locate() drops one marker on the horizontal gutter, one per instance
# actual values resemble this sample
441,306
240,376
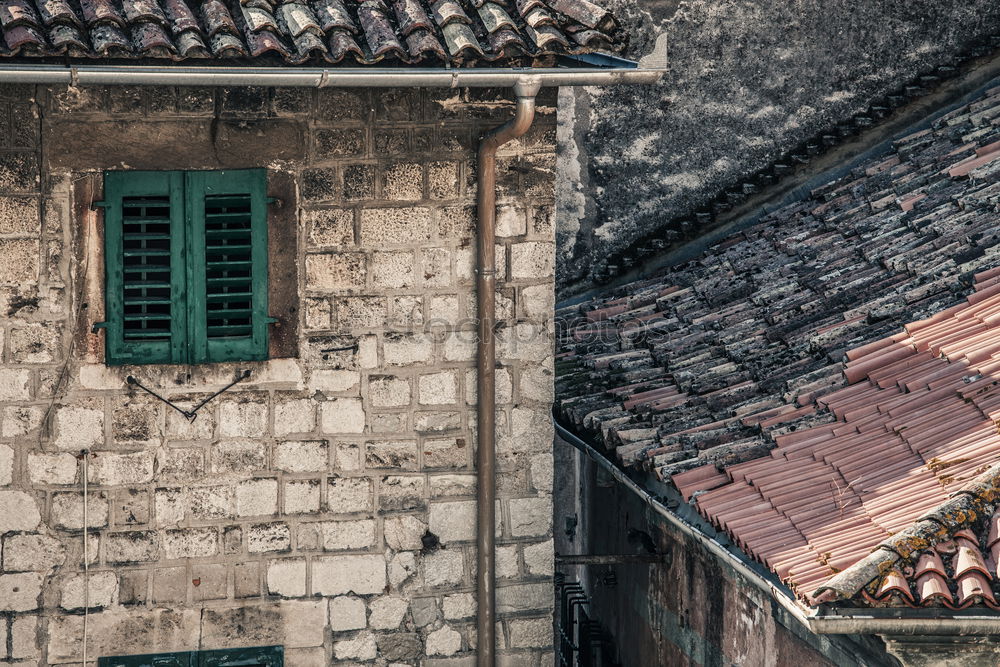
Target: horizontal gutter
840,621
312,77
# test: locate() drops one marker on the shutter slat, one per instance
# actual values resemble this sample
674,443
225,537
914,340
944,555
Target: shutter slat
228,266
146,270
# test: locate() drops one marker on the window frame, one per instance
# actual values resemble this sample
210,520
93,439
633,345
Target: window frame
187,192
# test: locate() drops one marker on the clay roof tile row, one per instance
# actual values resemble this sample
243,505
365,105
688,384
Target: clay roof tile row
432,32
787,402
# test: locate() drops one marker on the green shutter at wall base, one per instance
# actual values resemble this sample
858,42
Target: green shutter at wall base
261,656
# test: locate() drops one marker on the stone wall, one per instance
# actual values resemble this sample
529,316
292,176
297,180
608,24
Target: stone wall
747,83
327,503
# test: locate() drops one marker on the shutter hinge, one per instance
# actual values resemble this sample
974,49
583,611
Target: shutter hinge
100,204
98,325
270,320
274,200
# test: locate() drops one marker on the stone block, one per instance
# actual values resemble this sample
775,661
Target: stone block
394,226
348,535
102,587
246,580
19,259
209,581
190,543
442,180
132,585
388,422
347,613
331,143
362,312
404,533
268,537
212,502
6,464
15,384
531,517
460,346
532,260
392,270
242,419
301,455
202,428
335,271
78,428
19,215
359,182
537,383
401,492
446,453
339,575
539,559
180,463
112,469
459,606
406,349
511,221
24,638
425,611
170,585
436,422
321,184
343,104
519,598
453,521
170,505
302,496
387,612
238,456
438,388
403,648
20,592
349,494
444,310
531,633
445,486
133,546
406,311
506,562
391,454
402,568
67,510
436,267
292,623
537,302
18,420
443,641
403,182
387,391
524,341
32,553
287,577
457,223
35,343
348,456
136,422
295,416
445,567
360,647
257,497
542,473
343,415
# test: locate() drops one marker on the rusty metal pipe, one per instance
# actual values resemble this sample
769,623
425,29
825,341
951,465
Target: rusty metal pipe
526,90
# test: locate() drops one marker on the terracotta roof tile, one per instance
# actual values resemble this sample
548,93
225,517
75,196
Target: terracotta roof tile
787,401
296,32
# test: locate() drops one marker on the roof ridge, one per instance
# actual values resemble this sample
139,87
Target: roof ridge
965,506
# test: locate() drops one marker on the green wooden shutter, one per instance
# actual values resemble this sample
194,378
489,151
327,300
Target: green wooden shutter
265,656
144,260
227,269
184,659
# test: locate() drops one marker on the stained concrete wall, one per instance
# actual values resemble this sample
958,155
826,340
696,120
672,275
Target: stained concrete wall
747,82
326,504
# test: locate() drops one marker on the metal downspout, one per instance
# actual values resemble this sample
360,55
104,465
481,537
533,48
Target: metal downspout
526,90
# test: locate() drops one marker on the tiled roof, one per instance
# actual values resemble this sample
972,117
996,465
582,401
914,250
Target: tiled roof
770,382
428,32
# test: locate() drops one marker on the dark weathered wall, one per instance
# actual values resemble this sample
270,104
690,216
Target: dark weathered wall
747,82
692,609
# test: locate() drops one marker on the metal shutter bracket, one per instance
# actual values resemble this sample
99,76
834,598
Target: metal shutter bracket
192,414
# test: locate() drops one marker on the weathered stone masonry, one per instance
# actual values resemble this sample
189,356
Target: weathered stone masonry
326,504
